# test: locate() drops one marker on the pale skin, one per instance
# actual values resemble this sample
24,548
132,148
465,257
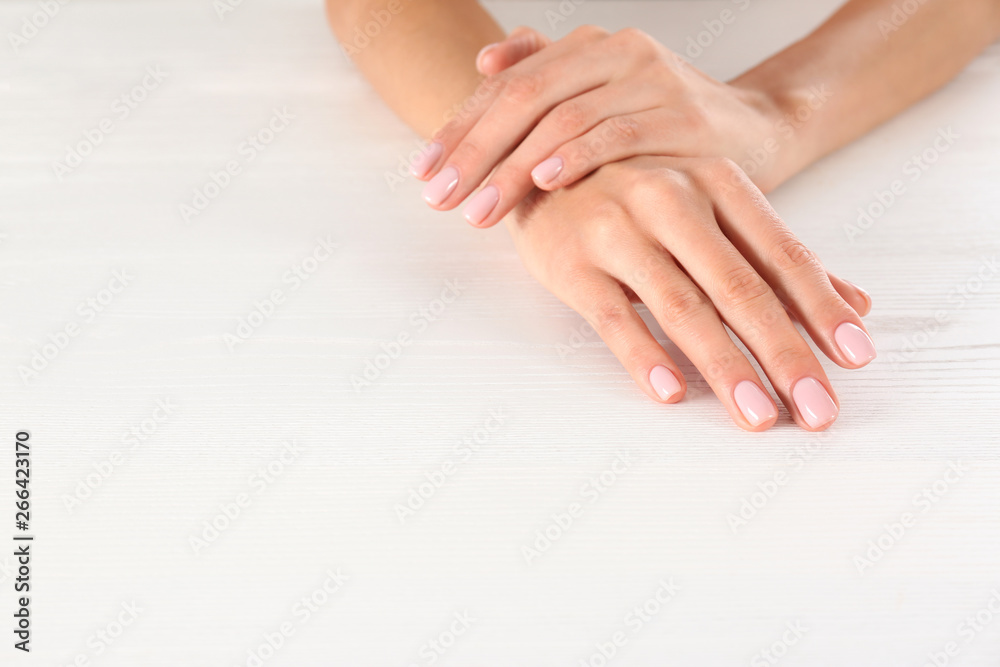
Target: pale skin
625,174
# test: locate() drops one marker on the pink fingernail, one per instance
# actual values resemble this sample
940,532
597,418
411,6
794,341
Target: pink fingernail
854,343
482,52
482,204
754,403
547,171
664,382
813,401
442,185
423,163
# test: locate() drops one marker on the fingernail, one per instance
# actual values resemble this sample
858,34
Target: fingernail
813,401
664,382
854,343
442,185
755,405
482,204
482,52
547,171
866,295
423,163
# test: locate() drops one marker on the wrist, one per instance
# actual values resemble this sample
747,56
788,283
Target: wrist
790,114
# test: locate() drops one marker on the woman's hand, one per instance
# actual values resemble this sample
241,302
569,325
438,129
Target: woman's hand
697,242
558,111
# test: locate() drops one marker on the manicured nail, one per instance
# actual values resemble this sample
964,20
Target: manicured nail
482,204
482,52
866,295
442,185
814,402
854,343
664,382
547,171
754,403
420,166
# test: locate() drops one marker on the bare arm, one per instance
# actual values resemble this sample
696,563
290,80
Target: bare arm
422,62
688,233
875,60
872,57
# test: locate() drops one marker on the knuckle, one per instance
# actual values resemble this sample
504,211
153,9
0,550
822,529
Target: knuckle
655,189
771,315
632,37
698,120
632,42
741,286
570,117
610,319
786,357
624,130
644,195
593,144
723,173
791,254
525,87
590,32
723,169
682,306
645,185
651,270
606,230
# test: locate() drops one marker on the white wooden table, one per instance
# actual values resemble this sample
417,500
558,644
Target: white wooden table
149,424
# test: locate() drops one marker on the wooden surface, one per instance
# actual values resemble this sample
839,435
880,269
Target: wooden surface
147,422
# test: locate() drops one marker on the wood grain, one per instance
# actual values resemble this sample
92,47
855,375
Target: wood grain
929,401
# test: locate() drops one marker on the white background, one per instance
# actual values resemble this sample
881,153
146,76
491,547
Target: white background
505,344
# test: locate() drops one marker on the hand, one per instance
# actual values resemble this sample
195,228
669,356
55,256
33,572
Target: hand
558,111
518,45
697,242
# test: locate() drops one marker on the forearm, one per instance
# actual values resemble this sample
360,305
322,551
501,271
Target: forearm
871,67
422,61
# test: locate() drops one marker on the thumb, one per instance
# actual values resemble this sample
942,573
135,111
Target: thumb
519,44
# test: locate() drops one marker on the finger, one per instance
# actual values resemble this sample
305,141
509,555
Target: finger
605,306
792,270
526,98
444,140
655,131
693,324
754,313
512,179
743,298
860,300
520,43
